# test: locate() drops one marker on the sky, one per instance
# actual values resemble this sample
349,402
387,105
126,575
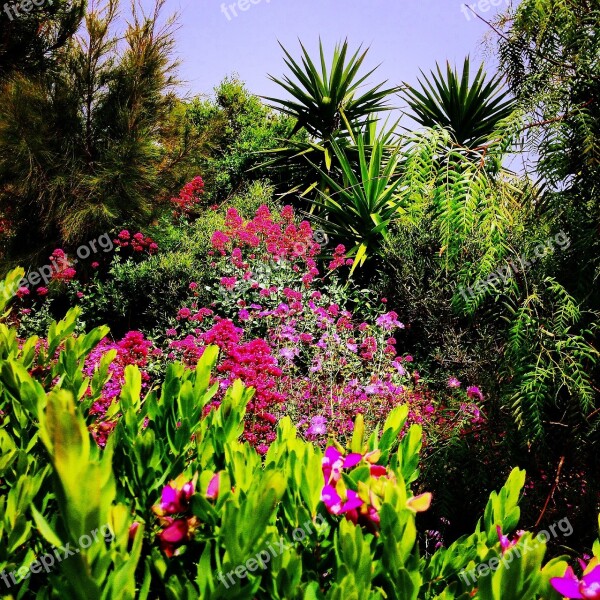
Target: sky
217,38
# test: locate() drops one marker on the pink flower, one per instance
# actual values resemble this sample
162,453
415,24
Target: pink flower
474,392
453,382
334,462
95,265
228,282
133,530
175,497
334,503
588,587
173,536
42,291
318,426
184,313
22,291
212,491
505,543
193,285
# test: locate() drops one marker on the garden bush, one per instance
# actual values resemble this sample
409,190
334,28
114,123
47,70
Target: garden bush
185,509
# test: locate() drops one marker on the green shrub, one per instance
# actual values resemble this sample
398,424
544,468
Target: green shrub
188,507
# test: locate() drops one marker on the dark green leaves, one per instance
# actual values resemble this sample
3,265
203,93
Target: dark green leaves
471,110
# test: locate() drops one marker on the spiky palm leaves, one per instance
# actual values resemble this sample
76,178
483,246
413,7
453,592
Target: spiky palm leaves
471,110
360,209
326,99
328,102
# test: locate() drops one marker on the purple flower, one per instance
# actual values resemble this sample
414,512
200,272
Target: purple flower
474,392
588,587
288,353
335,505
389,321
453,382
318,426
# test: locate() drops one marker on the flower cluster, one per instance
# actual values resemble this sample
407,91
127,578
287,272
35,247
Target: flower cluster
266,238
361,507
188,197
174,515
251,362
62,268
287,332
133,349
138,242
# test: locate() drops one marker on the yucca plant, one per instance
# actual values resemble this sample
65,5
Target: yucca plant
328,103
471,110
325,100
358,211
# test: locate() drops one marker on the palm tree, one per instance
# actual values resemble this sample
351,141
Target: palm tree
470,110
359,210
328,103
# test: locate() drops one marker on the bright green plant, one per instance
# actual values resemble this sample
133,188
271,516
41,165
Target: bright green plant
550,360
326,99
359,210
327,102
60,488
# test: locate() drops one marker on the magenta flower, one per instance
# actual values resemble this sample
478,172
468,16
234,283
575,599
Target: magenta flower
318,426
175,497
173,536
212,491
505,543
334,462
474,392
334,503
588,587
453,382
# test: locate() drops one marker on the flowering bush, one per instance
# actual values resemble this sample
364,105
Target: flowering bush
284,329
137,242
188,197
193,512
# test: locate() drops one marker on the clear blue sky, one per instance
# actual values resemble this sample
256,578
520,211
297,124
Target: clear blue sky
404,35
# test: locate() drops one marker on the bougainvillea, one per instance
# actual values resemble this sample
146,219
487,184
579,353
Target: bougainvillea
133,349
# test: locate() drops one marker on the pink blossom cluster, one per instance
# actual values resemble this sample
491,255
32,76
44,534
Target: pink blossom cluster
188,197
62,268
173,511
138,242
251,361
268,238
133,349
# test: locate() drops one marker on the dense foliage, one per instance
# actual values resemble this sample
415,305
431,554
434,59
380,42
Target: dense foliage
288,350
